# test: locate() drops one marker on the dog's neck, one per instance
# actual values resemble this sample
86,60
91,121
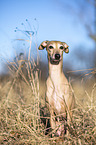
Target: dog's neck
55,71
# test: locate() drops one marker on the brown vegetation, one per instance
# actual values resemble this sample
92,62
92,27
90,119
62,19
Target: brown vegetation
21,97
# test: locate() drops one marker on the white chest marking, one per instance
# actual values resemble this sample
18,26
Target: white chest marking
57,101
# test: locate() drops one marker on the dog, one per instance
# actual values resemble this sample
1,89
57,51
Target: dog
59,94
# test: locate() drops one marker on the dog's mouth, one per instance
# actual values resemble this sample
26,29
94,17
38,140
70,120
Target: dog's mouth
55,60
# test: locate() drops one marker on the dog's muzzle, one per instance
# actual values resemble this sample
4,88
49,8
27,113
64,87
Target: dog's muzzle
56,59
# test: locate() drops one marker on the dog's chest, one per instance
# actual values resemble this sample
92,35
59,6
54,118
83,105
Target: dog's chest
57,99
57,94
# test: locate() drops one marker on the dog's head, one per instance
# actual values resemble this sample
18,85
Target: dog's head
55,50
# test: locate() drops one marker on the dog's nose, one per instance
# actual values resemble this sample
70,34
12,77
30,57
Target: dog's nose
57,56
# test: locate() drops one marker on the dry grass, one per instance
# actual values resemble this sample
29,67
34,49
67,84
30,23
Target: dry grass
20,103
21,100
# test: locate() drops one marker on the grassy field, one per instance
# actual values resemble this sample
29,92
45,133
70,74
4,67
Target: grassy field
22,94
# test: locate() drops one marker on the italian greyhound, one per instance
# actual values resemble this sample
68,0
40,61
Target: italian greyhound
59,95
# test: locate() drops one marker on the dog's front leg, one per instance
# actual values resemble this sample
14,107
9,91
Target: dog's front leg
69,120
52,121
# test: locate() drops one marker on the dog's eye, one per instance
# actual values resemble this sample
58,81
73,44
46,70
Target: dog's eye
50,47
61,47
65,48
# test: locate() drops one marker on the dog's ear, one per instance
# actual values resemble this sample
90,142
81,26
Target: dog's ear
43,45
66,49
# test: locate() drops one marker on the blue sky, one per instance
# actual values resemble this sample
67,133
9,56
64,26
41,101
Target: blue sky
57,20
